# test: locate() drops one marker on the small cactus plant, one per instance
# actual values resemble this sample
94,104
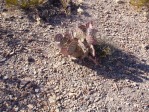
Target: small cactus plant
78,43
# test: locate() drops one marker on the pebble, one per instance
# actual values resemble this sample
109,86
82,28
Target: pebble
135,84
36,90
119,1
30,106
80,10
22,110
57,110
10,35
5,77
146,14
16,109
147,47
52,99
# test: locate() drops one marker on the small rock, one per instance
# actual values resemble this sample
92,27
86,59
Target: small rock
4,14
52,99
63,62
72,95
20,17
22,110
147,47
146,107
38,20
31,60
1,51
127,103
56,65
119,1
30,106
16,109
80,10
5,10
135,84
10,35
57,110
2,60
92,74
5,77
146,14
36,90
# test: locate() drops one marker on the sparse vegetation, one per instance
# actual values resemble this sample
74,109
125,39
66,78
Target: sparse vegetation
140,3
24,3
46,8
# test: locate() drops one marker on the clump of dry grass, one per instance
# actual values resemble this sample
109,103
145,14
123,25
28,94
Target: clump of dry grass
24,3
140,3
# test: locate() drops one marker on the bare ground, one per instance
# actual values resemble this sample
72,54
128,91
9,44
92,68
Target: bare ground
34,78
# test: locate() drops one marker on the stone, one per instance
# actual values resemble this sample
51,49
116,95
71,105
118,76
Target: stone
5,77
30,106
146,14
36,90
119,1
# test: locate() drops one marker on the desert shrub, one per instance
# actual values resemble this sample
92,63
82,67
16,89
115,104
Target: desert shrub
140,3
45,9
24,3
30,3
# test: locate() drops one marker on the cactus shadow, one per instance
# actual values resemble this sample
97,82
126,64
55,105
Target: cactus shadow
119,65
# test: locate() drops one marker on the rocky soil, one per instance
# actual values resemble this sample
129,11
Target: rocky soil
35,78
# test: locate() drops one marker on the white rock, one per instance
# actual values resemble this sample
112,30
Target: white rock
16,109
52,99
36,90
119,1
5,77
57,110
80,10
146,14
30,106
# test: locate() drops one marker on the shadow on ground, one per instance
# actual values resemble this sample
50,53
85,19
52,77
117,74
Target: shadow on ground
55,14
119,65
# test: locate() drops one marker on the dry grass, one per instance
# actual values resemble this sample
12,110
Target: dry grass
140,3
24,3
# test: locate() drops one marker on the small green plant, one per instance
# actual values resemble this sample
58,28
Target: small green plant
24,3
140,3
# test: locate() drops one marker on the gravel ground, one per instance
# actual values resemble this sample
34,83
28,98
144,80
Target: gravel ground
35,78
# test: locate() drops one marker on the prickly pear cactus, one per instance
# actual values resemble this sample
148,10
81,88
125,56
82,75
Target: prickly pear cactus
78,43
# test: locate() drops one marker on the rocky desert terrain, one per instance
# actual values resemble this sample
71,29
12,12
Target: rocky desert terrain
35,78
